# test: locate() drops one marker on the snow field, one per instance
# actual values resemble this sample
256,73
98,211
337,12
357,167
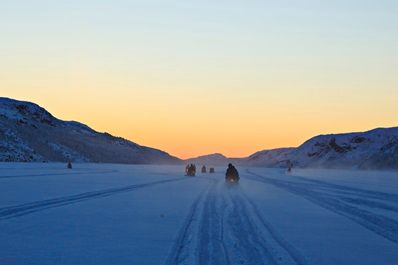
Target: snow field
123,214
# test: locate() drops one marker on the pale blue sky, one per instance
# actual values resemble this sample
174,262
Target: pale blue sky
304,62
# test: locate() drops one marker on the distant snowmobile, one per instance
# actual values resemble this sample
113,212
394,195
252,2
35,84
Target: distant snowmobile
232,174
289,166
191,170
204,169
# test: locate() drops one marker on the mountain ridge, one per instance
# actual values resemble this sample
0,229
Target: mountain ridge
29,133
373,149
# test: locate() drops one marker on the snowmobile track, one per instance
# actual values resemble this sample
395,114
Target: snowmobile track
293,252
180,249
224,227
28,208
350,190
377,223
250,247
59,174
201,237
258,242
211,248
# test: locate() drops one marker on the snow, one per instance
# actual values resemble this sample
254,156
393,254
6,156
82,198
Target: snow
15,109
123,214
30,133
68,152
375,149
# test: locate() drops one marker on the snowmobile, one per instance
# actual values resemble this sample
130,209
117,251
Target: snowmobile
232,175
191,170
211,170
289,166
204,169
232,179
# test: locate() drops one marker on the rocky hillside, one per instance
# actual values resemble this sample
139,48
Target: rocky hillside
375,149
30,133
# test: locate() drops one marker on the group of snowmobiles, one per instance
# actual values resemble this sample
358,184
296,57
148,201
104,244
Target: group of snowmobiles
190,170
231,175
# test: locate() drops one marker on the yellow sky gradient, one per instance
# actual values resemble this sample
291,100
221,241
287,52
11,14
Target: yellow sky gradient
196,123
198,77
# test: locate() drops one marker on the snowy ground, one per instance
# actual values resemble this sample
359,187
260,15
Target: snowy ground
116,214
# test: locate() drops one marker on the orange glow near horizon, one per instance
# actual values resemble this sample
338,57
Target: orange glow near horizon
199,77
189,131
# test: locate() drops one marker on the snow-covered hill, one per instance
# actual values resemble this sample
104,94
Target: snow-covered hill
212,160
30,133
268,158
375,149
265,158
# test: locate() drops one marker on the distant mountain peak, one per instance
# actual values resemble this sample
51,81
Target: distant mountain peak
215,155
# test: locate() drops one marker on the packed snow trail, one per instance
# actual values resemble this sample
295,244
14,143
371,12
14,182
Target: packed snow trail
28,208
180,251
71,173
292,251
350,190
224,226
334,198
123,214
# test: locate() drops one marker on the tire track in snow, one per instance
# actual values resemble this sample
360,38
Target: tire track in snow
211,246
249,247
58,174
223,227
182,247
28,208
201,238
371,204
360,197
379,224
351,190
292,251
256,240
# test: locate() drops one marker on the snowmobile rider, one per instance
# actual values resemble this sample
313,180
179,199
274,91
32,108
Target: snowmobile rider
232,173
191,170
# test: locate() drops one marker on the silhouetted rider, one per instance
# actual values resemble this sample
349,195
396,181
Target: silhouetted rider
232,173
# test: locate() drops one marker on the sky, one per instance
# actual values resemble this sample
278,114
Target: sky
199,77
